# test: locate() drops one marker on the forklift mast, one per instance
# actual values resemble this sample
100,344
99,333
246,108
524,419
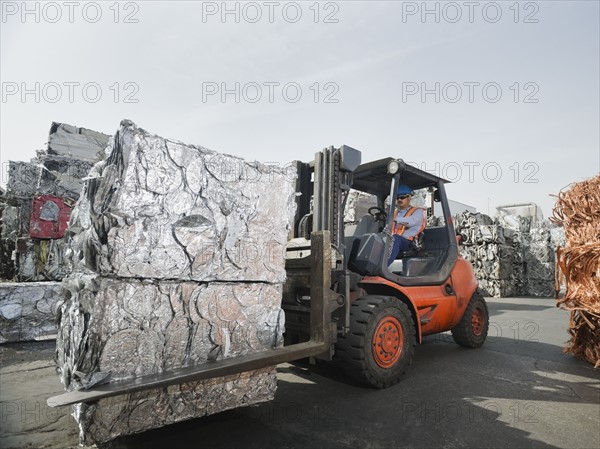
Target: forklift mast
323,186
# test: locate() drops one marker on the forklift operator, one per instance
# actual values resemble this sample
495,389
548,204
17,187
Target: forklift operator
409,221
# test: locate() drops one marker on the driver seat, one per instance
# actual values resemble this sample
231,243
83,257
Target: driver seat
366,225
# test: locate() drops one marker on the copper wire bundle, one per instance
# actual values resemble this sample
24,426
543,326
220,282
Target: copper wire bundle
578,266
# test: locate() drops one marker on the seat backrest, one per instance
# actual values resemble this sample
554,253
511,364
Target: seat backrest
366,225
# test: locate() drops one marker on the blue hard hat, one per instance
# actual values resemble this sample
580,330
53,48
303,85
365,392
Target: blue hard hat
403,189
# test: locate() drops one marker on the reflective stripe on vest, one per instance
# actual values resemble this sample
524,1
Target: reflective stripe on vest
399,229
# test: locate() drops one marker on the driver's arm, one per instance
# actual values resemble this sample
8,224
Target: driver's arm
414,220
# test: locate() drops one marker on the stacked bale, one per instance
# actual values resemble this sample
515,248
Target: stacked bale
34,211
22,179
16,215
516,231
489,251
357,206
53,177
509,256
28,310
539,262
177,258
68,158
578,266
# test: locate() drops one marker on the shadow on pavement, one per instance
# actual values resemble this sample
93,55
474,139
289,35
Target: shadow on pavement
451,396
501,306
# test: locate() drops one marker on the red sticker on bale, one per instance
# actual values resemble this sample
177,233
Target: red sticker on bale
49,217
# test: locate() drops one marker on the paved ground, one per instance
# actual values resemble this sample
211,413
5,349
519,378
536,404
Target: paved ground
519,390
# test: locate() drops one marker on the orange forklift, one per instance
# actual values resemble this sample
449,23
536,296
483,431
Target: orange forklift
342,301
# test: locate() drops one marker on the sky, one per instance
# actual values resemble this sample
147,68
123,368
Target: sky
501,98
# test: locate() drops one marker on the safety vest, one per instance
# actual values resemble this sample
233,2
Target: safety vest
399,229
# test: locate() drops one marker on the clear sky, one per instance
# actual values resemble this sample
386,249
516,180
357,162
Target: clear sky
500,97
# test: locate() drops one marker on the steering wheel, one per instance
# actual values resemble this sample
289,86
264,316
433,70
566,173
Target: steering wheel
377,212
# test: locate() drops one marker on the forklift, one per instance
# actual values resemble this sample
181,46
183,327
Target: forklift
342,301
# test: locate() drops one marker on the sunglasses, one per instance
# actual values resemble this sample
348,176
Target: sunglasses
402,197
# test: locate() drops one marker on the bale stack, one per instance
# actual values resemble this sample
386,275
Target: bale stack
16,215
578,266
34,212
516,231
27,310
68,158
357,206
538,262
489,251
177,258
38,202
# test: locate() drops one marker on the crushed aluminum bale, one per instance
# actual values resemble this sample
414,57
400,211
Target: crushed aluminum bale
28,310
7,251
10,222
22,178
175,259
16,217
510,255
357,206
40,259
62,176
157,208
129,327
70,154
140,411
490,250
76,143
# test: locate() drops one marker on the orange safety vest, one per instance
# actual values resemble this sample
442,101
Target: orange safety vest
399,229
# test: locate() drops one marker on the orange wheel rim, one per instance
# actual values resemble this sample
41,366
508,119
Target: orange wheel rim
477,321
387,342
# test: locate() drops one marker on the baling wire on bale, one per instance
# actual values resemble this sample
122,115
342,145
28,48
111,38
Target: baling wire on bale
578,266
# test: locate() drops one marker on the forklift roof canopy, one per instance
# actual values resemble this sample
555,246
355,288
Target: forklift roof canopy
372,177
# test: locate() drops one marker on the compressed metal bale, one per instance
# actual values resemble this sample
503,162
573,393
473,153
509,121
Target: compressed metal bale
491,250
10,222
16,217
141,411
7,266
129,327
497,288
62,176
509,256
40,259
577,209
515,222
156,217
76,143
70,154
357,206
157,208
22,179
28,311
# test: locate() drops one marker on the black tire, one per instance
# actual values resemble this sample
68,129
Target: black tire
396,340
472,329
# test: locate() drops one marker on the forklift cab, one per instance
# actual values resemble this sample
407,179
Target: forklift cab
368,246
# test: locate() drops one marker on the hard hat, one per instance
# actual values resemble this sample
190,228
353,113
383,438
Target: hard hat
403,189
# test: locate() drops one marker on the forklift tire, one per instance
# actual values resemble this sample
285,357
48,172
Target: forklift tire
381,342
472,329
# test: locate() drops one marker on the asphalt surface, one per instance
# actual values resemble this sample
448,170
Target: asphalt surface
519,390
